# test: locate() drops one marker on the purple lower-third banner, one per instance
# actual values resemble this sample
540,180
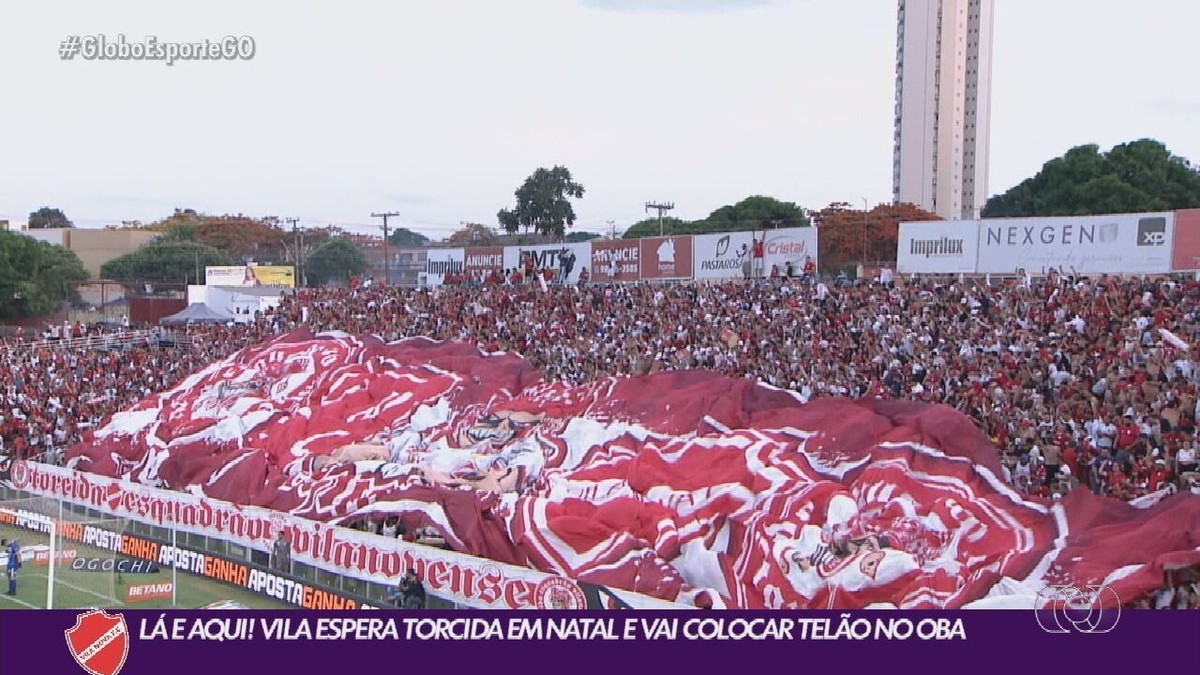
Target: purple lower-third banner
101,642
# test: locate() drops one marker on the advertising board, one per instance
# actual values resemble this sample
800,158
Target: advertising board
793,245
440,262
565,260
1128,243
462,579
1185,254
615,260
721,256
938,247
666,257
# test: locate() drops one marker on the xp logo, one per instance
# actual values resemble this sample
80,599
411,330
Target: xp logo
1152,231
1067,609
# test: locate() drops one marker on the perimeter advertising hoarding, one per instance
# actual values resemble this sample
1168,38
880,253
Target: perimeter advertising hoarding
455,577
615,260
1185,256
483,260
147,550
440,262
938,247
1130,243
251,275
721,256
666,257
565,259
793,244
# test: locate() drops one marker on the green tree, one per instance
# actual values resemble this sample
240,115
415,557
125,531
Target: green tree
36,277
406,238
650,228
165,261
336,260
580,237
1133,177
543,203
47,218
753,213
185,231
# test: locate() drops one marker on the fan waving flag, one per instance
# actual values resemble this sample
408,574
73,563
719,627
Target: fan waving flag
688,486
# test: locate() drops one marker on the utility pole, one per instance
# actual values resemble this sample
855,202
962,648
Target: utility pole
387,263
865,209
612,229
661,207
299,257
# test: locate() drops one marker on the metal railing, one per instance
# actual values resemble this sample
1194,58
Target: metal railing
117,341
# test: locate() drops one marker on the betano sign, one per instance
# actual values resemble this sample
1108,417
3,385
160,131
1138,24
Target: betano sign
462,579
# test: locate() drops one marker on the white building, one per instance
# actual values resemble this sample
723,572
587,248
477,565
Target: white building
943,105
242,302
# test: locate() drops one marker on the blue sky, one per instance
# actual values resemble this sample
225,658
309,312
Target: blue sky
439,110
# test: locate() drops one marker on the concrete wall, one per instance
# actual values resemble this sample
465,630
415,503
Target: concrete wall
96,247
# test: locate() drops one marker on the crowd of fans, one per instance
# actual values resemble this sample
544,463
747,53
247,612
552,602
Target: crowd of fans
1078,381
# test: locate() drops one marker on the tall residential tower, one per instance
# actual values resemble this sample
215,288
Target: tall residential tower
943,105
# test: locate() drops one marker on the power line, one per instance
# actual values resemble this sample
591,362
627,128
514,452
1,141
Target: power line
661,208
387,267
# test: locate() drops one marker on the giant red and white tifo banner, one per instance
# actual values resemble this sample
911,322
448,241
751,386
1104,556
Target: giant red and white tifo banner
688,487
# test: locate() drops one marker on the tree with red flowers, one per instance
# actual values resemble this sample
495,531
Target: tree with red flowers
849,236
